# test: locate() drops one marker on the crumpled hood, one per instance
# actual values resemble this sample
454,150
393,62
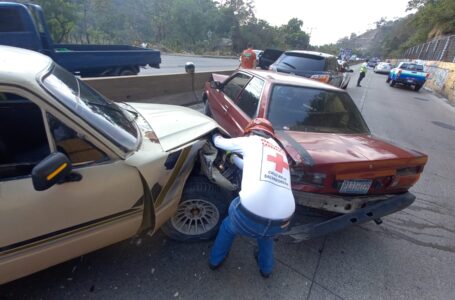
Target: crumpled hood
175,126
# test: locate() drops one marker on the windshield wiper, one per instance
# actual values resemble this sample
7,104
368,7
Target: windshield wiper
289,65
115,108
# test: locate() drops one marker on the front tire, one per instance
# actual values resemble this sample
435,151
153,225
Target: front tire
392,82
417,87
199,215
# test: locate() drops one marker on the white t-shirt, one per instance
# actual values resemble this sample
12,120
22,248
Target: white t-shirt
266,183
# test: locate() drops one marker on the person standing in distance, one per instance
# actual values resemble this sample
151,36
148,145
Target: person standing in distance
248,58
363,71
265,203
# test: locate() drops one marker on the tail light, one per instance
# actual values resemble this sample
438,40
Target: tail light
308,178
427,76
321,78
409,171
399,73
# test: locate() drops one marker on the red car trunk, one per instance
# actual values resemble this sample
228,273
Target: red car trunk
336,158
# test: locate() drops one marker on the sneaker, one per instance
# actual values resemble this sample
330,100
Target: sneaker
256,257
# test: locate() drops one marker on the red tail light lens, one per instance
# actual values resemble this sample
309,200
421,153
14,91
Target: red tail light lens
427,76
321,78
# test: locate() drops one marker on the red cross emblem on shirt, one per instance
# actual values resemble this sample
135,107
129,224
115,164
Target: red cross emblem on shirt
280,164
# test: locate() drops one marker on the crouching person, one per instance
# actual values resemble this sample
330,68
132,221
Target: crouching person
265,203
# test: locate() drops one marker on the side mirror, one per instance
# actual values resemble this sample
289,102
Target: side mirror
51,170
215,85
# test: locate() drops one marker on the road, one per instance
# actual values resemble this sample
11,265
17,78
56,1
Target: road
175,64
410,256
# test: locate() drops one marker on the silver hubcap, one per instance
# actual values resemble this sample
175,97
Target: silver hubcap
195,217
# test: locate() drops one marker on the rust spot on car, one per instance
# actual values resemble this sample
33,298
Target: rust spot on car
151,136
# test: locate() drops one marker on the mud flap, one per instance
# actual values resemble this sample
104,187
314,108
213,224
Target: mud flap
207,156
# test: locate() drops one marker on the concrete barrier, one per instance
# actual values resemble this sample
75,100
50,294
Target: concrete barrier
146,88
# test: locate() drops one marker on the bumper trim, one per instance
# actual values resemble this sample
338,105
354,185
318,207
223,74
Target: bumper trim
360,216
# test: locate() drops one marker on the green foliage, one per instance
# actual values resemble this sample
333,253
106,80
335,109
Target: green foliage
181,25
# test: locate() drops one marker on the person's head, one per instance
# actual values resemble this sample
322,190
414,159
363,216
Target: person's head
261,127
249,46
366,60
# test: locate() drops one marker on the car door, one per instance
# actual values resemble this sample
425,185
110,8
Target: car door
99,206
225,98
246,106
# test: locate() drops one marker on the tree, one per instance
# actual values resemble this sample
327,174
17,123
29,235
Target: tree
294,36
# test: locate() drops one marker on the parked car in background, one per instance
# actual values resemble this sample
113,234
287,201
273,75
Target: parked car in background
314,65
346,70
79,172
372,63
268,57
408,74
337,166
383,68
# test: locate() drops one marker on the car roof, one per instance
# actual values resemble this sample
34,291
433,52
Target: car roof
315,53
283,78
21,66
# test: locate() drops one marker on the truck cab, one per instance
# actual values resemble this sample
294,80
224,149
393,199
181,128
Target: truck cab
24,26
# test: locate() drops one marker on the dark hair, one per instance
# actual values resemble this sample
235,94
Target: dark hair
249,45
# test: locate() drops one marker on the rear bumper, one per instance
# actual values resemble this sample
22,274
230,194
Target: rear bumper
369,213
410,81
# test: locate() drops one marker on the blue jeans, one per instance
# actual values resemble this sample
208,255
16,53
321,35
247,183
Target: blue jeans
238,223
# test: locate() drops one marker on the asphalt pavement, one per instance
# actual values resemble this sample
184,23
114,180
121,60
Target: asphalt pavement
410,256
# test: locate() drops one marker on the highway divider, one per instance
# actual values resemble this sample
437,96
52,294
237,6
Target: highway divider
148,88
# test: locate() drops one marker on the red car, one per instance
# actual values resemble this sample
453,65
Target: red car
337,166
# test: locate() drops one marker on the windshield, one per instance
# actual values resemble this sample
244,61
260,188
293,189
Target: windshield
412,67
102,114
302,61
299,108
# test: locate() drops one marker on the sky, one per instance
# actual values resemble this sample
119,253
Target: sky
330,20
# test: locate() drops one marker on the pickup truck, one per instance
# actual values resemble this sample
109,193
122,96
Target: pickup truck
409,74
79,172
24,25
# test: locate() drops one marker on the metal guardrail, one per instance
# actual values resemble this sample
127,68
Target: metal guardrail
439,49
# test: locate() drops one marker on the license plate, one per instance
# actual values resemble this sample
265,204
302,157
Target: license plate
358,186
410,81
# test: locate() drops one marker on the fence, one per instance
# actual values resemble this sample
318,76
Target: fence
439,49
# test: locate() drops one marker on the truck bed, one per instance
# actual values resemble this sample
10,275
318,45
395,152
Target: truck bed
80,58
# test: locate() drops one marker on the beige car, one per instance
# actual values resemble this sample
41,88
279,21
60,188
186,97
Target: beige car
79,172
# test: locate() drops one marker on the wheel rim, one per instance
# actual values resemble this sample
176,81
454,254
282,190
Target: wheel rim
195,217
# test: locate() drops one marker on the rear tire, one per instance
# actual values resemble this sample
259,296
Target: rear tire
388,79
201,210
392,82
417,87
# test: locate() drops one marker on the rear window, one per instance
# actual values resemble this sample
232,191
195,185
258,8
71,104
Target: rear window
300,61
412,67
10,20
304,109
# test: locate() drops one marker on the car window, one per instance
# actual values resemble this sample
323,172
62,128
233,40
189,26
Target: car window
332,64
412,67
300,61
102,114
10,20
234,86
249,99
23,140
79,150
304,109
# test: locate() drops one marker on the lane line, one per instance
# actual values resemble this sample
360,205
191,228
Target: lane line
365,92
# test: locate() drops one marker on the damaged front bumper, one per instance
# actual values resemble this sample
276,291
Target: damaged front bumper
371,212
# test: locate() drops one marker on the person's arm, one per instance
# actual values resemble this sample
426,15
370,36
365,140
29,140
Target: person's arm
233,145
235,159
